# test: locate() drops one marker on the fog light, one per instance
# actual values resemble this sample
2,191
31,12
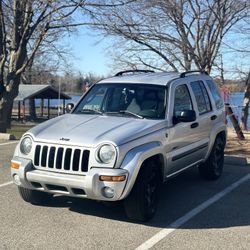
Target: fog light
108,192
17,179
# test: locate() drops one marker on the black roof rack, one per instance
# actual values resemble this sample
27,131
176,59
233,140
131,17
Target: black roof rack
133,71
182,75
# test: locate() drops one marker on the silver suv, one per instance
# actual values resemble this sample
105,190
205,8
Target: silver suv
126,136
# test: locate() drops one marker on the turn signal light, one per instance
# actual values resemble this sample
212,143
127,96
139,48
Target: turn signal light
112,178
15,165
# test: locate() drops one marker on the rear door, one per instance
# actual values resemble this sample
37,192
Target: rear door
204,110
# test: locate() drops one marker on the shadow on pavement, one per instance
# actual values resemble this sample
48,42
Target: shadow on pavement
179,196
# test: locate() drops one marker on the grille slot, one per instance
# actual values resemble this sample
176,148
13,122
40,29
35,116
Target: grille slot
36,184
44,156
56,188
67,159
85,161
78,191
37,155
76,159
61,159
51,157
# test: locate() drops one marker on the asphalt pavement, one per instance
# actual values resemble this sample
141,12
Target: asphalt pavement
192,214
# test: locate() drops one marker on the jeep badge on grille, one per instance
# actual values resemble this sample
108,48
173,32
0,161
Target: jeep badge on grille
64,139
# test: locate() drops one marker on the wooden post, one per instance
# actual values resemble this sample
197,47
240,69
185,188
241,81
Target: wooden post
41,107
234,121
23,109
63,106
48,108
19,110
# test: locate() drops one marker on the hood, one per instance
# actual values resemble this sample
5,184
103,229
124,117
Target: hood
91,130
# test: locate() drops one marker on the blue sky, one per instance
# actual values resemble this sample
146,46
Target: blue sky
88,52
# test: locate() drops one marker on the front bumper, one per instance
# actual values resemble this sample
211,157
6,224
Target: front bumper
82,186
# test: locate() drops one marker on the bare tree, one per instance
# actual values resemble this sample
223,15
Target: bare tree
24,27
239,48
171,34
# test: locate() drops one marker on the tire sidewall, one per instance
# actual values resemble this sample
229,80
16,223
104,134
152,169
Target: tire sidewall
147,178
136,204
217,163
212,168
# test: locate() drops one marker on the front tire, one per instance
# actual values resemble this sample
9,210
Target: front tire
34,196
213,166
141,204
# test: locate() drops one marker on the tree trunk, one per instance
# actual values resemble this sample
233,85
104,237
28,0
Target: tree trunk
32,109
9,112
234,121
246,102
6,103
245,113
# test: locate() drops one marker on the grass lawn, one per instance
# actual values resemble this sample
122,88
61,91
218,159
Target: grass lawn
18,130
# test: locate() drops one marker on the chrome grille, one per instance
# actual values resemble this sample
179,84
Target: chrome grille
61,158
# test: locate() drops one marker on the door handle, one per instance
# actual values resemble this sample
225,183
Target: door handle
213,117
194,125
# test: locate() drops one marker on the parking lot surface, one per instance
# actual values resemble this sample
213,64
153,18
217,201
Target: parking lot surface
192,214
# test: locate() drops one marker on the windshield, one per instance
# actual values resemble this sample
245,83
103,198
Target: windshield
137,100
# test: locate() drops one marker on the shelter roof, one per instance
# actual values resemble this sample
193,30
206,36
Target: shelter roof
27,91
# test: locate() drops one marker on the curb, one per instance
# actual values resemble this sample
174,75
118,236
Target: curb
237,160
8,137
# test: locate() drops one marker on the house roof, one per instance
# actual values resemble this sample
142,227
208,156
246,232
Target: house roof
27,91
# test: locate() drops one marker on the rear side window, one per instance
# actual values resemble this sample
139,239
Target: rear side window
215,93
201,96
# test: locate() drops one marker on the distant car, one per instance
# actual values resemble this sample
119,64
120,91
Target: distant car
126,136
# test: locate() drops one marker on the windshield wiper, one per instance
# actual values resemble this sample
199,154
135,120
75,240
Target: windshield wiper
130,113
93,111
126,112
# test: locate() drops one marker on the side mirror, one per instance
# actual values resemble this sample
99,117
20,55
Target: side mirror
69,107
185,116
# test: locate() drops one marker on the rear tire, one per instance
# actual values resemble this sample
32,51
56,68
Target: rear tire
212,168
141,204
34,196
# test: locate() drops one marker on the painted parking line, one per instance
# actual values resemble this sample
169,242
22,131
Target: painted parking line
6,184
8,143
179,222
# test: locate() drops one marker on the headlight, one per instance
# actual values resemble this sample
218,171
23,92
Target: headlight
26,145
106,153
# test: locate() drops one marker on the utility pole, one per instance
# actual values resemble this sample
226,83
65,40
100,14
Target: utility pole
59,95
